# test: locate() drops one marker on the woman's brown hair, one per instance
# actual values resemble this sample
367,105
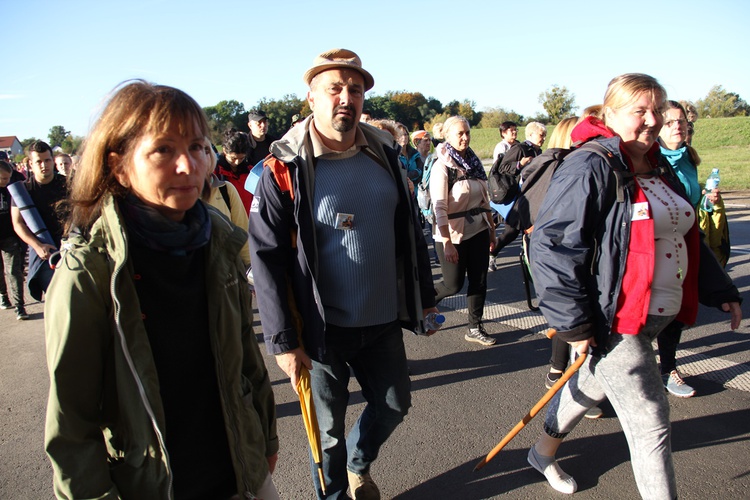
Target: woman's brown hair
135,108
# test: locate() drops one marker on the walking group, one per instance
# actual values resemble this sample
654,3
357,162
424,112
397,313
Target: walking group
158,388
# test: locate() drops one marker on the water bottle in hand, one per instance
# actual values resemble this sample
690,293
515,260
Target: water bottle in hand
711,183
433,321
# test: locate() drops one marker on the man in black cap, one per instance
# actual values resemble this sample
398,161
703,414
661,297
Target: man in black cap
260,141
340,266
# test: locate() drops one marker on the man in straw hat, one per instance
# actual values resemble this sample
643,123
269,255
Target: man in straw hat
354,271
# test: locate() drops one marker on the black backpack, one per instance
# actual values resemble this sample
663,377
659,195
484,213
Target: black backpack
537,176
502,186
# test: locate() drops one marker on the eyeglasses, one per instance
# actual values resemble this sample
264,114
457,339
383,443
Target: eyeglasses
670,123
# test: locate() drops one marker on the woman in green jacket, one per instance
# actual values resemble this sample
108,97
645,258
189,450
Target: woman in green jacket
157,386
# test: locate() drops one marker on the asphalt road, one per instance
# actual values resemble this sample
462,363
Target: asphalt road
465,398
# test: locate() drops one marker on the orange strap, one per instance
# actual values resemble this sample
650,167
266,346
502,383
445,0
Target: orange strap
280,173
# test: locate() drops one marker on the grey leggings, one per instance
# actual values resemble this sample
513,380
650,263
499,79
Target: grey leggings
628,376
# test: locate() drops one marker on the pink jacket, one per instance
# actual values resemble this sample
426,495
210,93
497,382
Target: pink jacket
457,200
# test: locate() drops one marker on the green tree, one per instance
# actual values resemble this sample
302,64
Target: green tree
57,135
452,108
466,109
27,142
280,112
224,115
558,102
380,106
407,110
719,104
72,144
493,117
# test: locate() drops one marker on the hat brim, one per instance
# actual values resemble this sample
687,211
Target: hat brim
315,70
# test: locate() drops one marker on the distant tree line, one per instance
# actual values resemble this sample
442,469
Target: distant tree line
412,109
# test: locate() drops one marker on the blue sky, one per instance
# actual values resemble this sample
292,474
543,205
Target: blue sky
62,58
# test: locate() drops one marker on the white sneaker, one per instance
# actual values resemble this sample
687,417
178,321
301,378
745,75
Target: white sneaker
556,477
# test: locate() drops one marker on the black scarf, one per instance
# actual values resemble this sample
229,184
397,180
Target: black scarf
146,226
471,163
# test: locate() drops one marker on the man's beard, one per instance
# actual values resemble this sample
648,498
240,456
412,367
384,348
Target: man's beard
343,123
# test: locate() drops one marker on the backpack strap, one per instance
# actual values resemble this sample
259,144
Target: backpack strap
623,176
473,211
225,194
281,173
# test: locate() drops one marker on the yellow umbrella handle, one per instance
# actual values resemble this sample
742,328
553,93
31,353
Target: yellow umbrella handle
532,413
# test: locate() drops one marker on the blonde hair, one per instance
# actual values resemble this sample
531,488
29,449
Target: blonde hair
626,89
452,122
135,108
532,127
594,110
387,125
560,136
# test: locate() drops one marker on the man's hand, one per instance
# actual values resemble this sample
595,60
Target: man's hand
44,250
425,312
291,362
733,308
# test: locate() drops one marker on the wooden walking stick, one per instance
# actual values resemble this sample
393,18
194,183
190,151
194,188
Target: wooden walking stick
537,407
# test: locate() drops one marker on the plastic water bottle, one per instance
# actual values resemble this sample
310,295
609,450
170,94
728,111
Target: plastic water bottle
711,183
433,321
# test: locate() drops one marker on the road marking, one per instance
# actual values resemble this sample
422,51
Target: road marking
727,373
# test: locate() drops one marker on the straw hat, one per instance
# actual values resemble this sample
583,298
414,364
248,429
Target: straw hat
338,58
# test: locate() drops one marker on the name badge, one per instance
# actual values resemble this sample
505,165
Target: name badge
640,211
345,221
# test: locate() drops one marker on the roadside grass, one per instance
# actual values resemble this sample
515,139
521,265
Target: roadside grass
722,143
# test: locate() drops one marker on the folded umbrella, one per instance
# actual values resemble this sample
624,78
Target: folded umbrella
311,423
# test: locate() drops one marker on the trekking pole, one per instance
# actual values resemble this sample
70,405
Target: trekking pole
536,408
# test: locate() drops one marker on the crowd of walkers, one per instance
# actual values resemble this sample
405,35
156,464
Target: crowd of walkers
158,388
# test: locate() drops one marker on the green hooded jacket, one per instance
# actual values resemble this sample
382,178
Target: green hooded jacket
105,432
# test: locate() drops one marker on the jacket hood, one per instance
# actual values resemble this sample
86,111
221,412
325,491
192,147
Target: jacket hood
590,128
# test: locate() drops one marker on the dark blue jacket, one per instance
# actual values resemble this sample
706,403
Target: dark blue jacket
579,247
284,250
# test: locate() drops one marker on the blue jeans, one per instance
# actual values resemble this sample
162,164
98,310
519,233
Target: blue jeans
377,357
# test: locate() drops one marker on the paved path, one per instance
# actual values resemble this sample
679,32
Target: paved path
465,398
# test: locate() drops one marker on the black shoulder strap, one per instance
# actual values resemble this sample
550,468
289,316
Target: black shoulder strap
623,175
453,177
225,194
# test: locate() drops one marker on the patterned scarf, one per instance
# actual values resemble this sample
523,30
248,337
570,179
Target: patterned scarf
146,226
471,163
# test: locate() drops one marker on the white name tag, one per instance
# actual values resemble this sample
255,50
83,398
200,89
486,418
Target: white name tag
345,221
640,211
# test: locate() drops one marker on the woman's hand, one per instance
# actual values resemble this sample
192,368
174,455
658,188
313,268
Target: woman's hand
451,254
493,240
714,196
272,462
582,346
733,308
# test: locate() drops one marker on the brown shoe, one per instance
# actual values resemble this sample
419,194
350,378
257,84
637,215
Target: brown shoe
362,487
